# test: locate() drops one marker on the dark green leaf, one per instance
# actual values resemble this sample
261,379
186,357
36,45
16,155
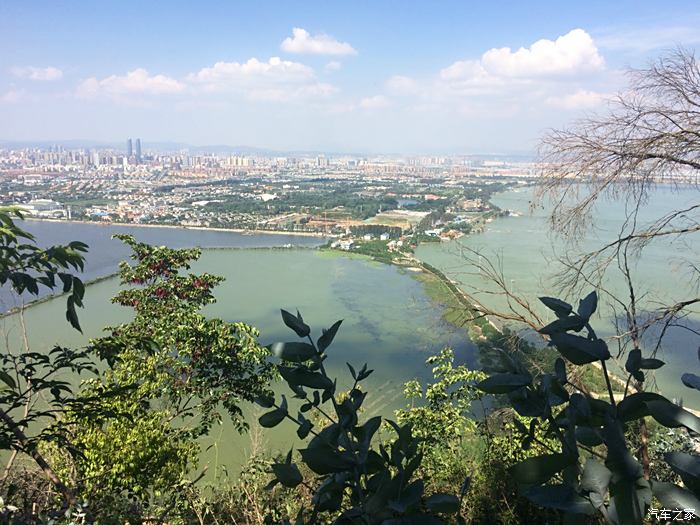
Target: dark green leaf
327,337
687,466
274,417
409,497
580,350
302,377
560,370
71,315
296,323
587,306
265,400
503,383
588,436
691,381
675,497
651,363
573,322
295,352
595,478
672,416
634,406
324,459
304,428
7,379
634,360
527,403
287,474
365,433
559,307
443,503
78,288
561,497
539,469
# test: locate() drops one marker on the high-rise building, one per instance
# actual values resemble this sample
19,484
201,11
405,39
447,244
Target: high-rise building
129,148
138,150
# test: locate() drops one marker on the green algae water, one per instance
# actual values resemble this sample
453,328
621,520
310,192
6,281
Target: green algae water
528,251
389,323
388,320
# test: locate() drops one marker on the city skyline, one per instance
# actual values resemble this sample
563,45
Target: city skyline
314,77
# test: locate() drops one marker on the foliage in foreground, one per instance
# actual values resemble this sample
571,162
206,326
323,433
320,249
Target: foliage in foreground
176,370
33,391
127,441
440,414
354,480
593,470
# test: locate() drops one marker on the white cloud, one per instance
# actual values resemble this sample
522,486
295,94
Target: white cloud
303,42
274,80
366,103
333,65
223,75
572,53
505,83
37,73
468,77
374,102
580,99
283,94
136,82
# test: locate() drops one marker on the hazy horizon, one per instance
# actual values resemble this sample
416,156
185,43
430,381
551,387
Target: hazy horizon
172,146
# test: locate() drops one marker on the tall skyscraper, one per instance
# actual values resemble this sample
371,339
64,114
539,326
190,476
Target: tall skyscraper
129,148
138,150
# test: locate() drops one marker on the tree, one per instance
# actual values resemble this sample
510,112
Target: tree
651,135
441,413
34,394
178,371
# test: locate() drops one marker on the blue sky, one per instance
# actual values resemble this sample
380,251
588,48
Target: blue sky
374,76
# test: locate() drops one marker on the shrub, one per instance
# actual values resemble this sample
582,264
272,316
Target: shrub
593,471
354,480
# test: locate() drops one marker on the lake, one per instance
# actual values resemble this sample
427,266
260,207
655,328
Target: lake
105,252
528,252
389,322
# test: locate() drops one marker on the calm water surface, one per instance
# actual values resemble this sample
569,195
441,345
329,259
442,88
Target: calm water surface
528,253
388,323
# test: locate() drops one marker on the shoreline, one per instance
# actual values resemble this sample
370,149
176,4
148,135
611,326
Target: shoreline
180,227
